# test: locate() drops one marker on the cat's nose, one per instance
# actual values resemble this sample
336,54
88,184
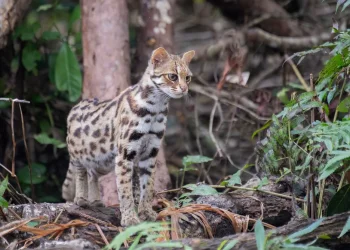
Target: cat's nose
184,88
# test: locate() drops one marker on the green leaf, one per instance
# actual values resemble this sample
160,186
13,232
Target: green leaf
3,186
75,16
67,73
265,126
344,105
340,201
306,230
50,35
282,95
259,235
33,223
204,190
346,228
44,7
3,203
194,159
38,174
235,179
264,181
43,138
26,31
30,57
227,245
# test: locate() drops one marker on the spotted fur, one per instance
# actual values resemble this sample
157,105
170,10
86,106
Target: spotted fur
125,134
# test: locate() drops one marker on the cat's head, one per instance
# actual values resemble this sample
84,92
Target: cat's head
170,73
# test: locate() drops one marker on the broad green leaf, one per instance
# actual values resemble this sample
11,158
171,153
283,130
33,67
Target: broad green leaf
282,95
306,230
344,105
43,138
193,159
30,57
26,31
259,235
204,190
190,186
340,201
67,73
3,186
50,35
38,174
235,179
346,228
3,202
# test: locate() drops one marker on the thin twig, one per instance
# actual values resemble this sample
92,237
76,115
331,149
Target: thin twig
13,100
211,121
102,234
297,73
27,153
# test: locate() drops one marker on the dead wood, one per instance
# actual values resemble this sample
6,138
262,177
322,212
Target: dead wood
331,226
11,12
273,209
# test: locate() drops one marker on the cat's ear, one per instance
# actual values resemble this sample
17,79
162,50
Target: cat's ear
188,56
159,56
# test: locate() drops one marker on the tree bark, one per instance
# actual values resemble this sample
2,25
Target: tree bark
156,30
11,11
106,50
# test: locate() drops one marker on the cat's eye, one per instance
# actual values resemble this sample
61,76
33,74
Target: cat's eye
188,79
172,77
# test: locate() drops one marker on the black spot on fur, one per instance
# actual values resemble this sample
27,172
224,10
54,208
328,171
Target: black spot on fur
135,136
103,151
102,141
87,129
111,147
94,121
161,119
158,134
73,117
109,107
129,156
93,146
147,120
77,132
154,152
144,171
96,133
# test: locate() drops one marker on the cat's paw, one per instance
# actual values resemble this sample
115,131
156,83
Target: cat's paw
147,214
80,201
128,220
97,203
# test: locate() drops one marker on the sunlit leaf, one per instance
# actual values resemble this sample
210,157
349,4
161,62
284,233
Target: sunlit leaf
346,228
204,190
306,230
259,235
44,7
44,138
194,159
344,105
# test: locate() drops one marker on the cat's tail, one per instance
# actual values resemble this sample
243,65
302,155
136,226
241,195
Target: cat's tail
68,187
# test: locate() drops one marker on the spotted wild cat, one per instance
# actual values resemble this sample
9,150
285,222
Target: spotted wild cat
124,133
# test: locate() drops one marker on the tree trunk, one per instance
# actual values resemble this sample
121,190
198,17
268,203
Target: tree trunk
106,56
106,53
11,11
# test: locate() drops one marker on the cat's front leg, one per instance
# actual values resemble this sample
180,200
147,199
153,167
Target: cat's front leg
147,172
124,171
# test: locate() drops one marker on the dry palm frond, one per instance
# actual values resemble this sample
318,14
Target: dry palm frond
239,222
